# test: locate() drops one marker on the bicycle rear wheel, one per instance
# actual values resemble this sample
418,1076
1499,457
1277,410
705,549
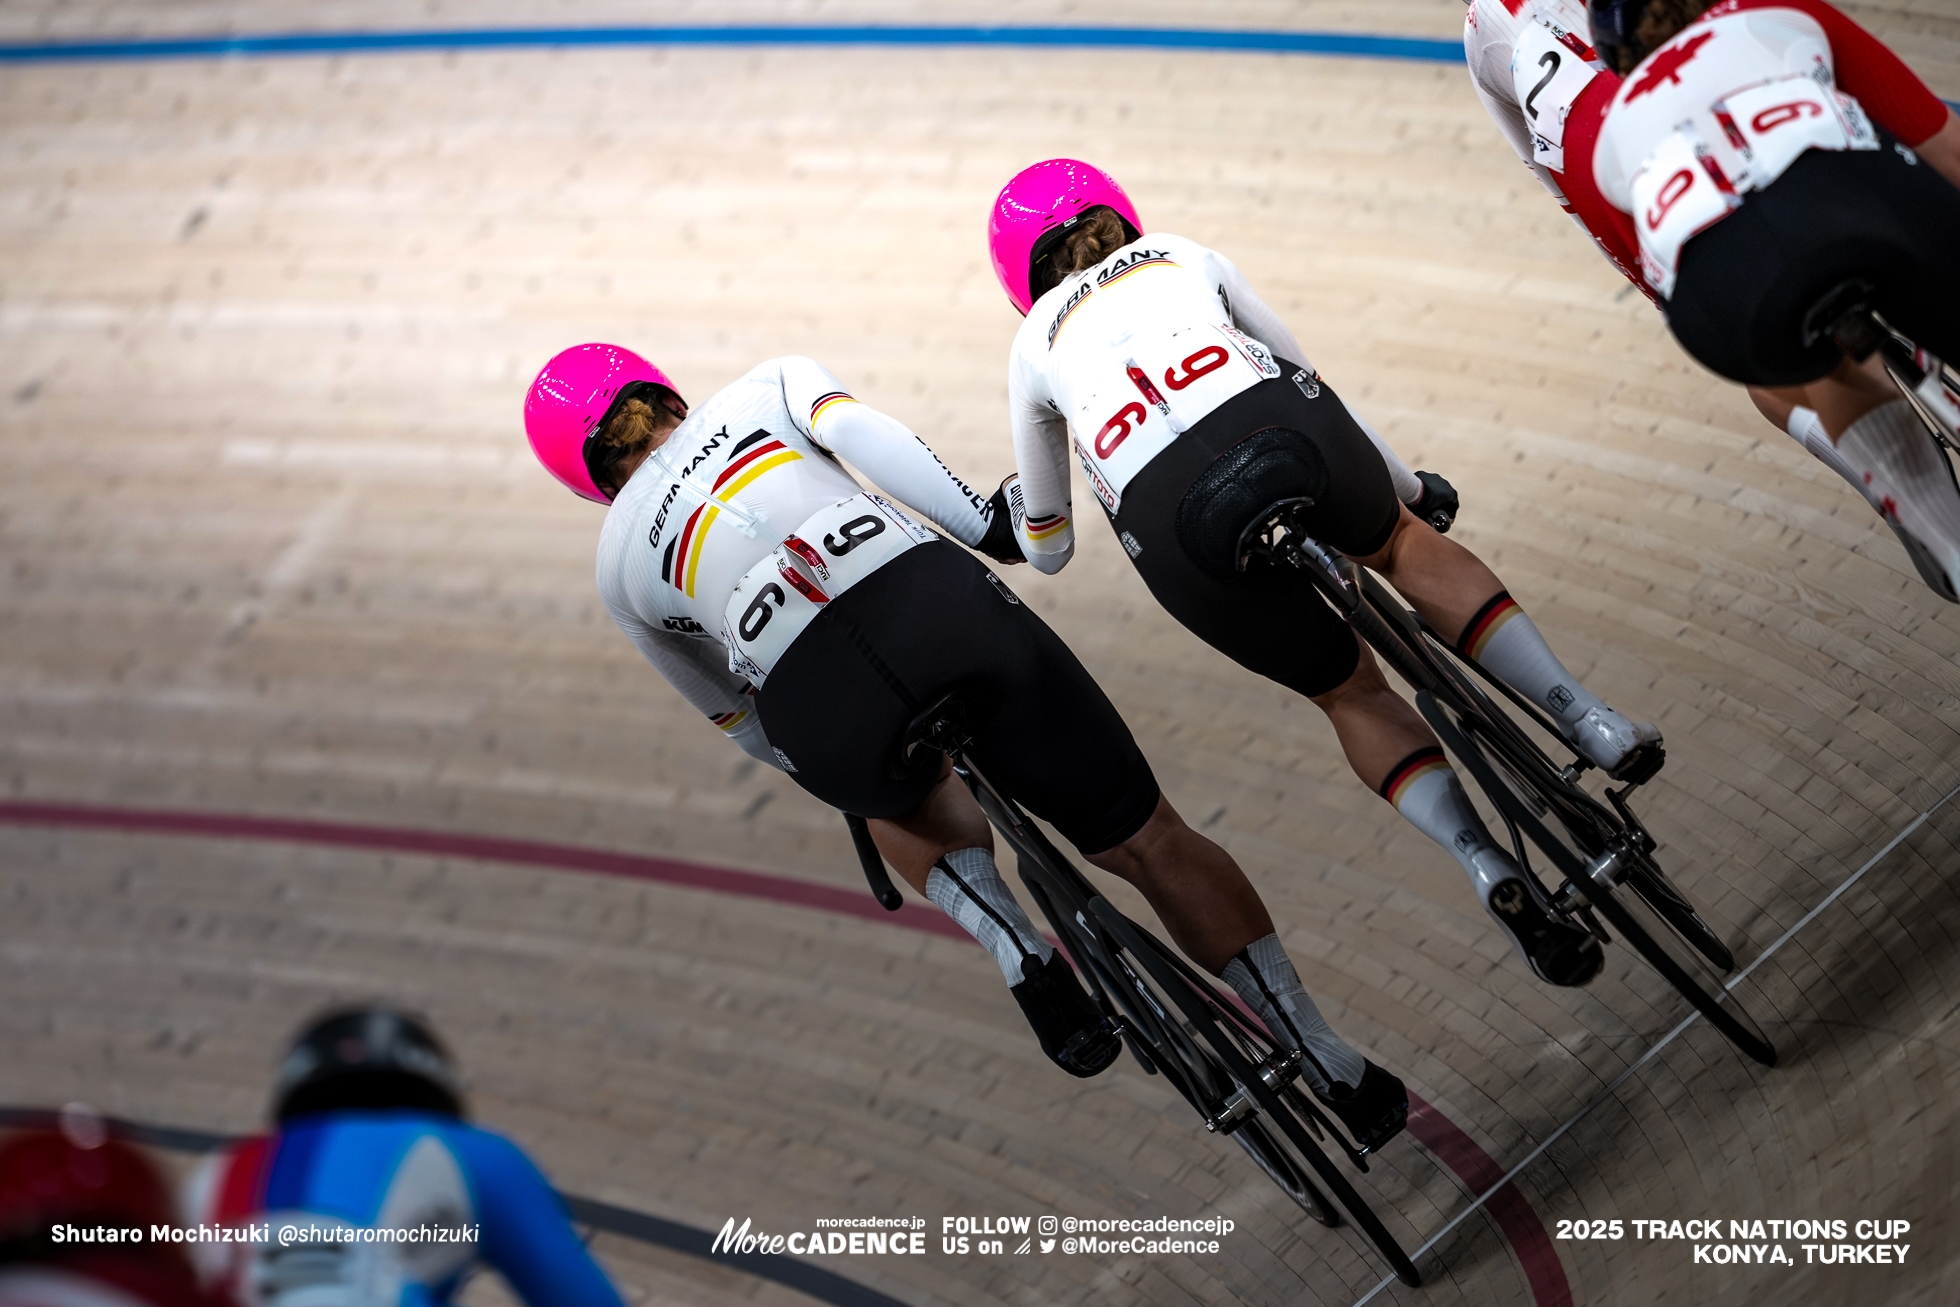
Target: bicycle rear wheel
1169,1047
1206,1016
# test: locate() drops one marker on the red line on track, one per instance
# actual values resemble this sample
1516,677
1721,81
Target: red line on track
1512,1211
452,844
1436,1132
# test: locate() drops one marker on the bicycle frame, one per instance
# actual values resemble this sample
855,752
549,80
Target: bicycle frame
1596,849
1173,1022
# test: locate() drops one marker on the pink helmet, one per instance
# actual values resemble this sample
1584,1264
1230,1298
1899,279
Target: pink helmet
571,399
1037,208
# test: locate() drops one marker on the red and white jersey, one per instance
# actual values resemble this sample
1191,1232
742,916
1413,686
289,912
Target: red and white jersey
1119,360
735,480
1529,60
1732,100
1543,86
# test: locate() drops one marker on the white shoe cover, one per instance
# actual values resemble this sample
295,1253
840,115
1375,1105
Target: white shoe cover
1606,739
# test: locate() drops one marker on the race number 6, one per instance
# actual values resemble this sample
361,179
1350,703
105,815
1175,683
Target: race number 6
757,615
1117,429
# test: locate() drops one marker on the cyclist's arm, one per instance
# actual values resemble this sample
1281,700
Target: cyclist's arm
526,1233
1941,150
1042,526
699,670
1500,102
1256,318
881,447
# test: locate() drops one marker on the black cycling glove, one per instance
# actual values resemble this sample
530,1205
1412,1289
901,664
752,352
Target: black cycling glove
1001,543
1437,504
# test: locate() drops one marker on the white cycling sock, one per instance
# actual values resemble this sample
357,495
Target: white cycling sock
989,912
1264,977
1509,646
1907,476
1807,429
1424,788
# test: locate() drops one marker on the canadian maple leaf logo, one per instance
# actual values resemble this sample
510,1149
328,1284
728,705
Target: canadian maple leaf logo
1667,65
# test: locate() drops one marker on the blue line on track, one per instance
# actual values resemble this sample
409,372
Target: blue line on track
316,43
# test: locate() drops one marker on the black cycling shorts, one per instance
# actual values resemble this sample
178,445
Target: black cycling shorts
1269,620
1746,283
935,619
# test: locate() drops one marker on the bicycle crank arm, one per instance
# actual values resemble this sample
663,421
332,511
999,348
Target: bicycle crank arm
1238,1107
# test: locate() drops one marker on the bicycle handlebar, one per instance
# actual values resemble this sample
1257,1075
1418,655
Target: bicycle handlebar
873,862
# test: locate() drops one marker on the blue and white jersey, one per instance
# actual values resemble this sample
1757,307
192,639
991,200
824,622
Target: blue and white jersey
387,1209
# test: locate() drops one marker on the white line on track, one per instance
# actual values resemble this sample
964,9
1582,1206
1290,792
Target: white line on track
1665,1040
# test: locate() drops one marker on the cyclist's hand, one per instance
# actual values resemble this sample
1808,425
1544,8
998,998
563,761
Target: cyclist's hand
1001,543
1437,504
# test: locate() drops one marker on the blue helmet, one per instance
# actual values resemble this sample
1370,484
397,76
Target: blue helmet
366,1058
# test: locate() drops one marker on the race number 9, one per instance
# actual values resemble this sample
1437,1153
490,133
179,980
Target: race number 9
854,533
1209,359
1670,195
1117,429
757,615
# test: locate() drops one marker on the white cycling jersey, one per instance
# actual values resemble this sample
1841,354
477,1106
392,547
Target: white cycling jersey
1122,358
745,470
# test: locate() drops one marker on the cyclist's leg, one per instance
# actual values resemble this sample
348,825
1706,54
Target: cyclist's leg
1217,918
1272,621
1468,605
837,704
836,710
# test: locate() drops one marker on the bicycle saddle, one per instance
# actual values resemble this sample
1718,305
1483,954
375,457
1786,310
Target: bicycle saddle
938,727
1844,315
1243,489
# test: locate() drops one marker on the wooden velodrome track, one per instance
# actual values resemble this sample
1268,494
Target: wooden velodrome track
274,549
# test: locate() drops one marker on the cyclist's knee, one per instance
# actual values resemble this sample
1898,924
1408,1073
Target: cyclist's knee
1408,528
1135,856
1365,682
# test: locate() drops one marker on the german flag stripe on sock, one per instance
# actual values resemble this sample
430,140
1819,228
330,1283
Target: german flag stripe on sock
1411,769
728,721
1476,636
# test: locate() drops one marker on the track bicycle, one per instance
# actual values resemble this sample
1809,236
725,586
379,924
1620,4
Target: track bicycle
1175,1023
1609,880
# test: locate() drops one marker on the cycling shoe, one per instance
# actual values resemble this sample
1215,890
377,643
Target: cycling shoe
1931,570
1625,750
1558,951
1374,1111
1072,1029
